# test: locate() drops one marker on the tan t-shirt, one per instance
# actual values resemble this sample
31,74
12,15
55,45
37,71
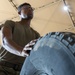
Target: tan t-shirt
22,35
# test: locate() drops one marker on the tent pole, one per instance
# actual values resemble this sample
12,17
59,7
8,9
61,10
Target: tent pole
70,14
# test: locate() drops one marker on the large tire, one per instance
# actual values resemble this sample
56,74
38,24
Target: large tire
53,54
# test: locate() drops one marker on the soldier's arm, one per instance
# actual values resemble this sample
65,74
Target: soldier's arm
8,43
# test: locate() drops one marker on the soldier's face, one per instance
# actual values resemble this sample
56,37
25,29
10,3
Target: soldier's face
27,12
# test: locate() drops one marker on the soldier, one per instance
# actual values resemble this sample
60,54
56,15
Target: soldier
15,37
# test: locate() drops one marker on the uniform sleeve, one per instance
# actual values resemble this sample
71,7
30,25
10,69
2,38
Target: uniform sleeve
10,24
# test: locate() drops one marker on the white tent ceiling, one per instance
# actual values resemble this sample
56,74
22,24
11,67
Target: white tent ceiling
49,15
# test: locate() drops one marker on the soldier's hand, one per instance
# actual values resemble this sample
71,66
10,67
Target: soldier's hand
28,47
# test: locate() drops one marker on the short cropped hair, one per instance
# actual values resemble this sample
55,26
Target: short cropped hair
20,6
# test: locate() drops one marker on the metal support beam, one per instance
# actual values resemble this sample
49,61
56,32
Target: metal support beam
70,14
13,4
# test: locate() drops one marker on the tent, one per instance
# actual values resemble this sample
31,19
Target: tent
49,15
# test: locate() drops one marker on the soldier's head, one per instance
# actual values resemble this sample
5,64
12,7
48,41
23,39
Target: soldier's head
25,11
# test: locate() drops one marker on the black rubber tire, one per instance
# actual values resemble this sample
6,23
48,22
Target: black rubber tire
67,38
53,54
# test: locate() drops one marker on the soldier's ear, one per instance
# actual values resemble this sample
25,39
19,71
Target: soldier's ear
19,13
